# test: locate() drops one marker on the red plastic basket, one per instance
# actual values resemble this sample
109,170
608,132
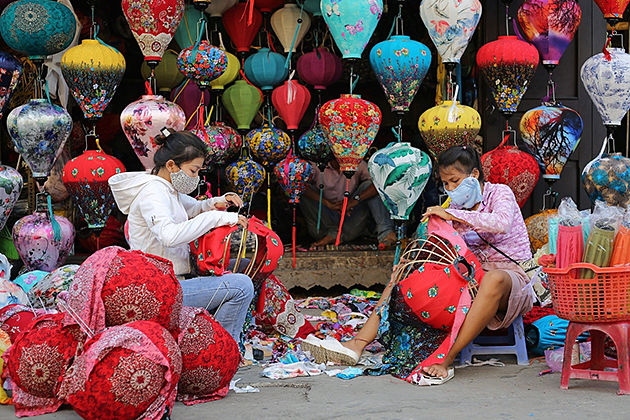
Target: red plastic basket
604,298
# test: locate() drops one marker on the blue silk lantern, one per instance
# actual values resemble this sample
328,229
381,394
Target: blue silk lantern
37,28
10,72
351,23
400,65
266,69
314,146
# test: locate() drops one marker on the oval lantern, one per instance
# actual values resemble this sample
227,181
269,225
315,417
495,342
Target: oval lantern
451,25
613,10
218,7
265,69
11,183
608,178
268,145
10,72
352,23
400,65
550,25
267,6
320,68
153,23
291,101
86,178
242,102
39,130
241,31
508,65
93,70
223,143
142,121
551,133
447,125
313,146
246,177
230,73
202,63
167,75
288,28
37,28
186,33
611,99
293,174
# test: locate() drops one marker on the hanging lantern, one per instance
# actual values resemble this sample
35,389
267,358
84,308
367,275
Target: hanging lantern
449,124
313,146
320,68
186,33
37,28
245,177
312,6
607,178
202,63
508,66
142,121
167,75
93,71
290,25
293,175
552,133
223,143
10,72
268,145
12,183
451,25
266,69
291,100
550,25
400,65
242,102
39,130
241,31
153,23
217,7
230,73
613,10
611,99
267,6
352,23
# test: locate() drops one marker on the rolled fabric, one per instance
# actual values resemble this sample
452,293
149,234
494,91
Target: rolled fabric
621,248
570,245
598,249
553,235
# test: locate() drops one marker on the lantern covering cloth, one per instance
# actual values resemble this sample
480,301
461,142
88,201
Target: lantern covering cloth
229,75
16,318
202,63
447,125
10,72
246,177
11,184
291,100
211,252
29,279
268,145
223,143
319,68
11,293
217,7
608,179
538,228
44,294
238,27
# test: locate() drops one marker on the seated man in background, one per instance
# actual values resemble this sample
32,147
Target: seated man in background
364,206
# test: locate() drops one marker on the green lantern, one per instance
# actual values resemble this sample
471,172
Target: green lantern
167,75
242,101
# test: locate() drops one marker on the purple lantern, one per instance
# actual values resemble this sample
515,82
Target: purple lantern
320,68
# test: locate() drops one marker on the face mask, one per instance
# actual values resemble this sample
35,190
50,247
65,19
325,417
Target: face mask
184,183
467,194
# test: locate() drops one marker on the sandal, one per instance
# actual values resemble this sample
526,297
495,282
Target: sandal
424,379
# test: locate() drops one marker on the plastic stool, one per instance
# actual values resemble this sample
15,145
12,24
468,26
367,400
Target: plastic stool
512,343
594,368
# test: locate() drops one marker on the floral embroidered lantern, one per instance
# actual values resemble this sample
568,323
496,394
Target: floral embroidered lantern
313,146
16,318
230,73
44,294
216,8
11,184
268,145
246,177
265,69
612,9
240,28
223,143
291,100
202,63
10,72
607,178
167,75
290,24
319,68
242,102
449,124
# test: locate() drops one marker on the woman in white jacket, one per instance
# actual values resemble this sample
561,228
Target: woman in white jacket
163,220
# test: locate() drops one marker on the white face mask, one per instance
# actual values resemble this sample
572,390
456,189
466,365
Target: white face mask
184,183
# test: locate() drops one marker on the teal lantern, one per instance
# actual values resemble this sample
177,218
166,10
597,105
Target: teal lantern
186,33
37,28
266,69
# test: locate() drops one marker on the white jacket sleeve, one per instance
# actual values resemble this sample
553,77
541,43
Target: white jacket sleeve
195,207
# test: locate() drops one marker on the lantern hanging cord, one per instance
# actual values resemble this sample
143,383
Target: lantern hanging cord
507,20
396,131
353,81
202,27
397,24
209,115
287,63
93,25
551,90
180,89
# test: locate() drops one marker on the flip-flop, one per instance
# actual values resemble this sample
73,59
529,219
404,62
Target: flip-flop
428,380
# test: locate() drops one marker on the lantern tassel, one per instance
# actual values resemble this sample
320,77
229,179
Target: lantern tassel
293,235
399,236
268,200
147,85
53,222
605,51
321,198
346,195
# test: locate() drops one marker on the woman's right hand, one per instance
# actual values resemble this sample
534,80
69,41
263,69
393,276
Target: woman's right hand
242,221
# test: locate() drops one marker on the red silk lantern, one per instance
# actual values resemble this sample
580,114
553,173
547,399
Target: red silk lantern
319,68
239,28
291,100
612,9
267,6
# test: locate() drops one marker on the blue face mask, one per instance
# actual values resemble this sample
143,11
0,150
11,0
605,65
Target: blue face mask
467,194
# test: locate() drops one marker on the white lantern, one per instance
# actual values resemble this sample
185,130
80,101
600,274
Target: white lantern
285,23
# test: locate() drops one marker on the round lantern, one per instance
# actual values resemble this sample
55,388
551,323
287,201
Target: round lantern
241,31
210,356
39,130
11,293
352,23
612,9
291,100
611,99
447,125
223,143
268,145
242,102
203,63
230,73
290,25
451,25
608,179
267,6
10,72
37,28
153,23
218,7
93,71
246,177
15,319
167,75
86,178
44,294
186,33
293,175
142,121
319,68
11,184
508,66
538,228
313,146
29,279
400,65
265,69
551,132
125,372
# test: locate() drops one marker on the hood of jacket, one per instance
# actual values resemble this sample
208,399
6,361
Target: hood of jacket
128,185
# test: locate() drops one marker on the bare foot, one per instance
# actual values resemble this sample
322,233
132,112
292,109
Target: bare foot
326,240
440,371
354,345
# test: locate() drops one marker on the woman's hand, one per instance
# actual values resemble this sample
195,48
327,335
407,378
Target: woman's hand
439,212
242,221
229,199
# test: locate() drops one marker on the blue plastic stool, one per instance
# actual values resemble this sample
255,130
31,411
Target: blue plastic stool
512,343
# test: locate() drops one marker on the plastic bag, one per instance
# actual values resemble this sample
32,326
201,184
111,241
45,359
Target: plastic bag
568,213
586,223
606,217
626,218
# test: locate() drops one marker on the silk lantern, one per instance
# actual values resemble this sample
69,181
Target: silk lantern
508,65
288,28
607,178
167,75
223,143
39,130
352,23
230,73
451,25
241,31
552,133
11,184
93,70
268,145
265,69
218,7
449,124
246,177
186,33
612,9
153,23
320,68
550,25
37,28
400,65
291,101
242,102
202,63
142,121
10,72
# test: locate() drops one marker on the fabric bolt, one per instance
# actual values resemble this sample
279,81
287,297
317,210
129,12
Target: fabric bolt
621,251
598,249
570,246
553,234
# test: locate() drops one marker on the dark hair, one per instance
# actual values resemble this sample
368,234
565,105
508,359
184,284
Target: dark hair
180,147
465,158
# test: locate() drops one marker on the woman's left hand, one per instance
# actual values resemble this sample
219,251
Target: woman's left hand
439,212
229,199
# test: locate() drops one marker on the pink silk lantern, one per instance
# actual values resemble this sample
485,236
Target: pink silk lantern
291,100
320,68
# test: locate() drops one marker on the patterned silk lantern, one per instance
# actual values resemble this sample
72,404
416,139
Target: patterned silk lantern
167,75
217,7
186,33
93,71
11,184
86,178
268,145
37,28
451,25
153,23
203,63
508,66
39,130
241,31
10,72
352,23
223,143
288,28
612,9
242,102
550,25
265,69
320,68
143,119
608,178
291,100
551,132
230,73
447,125
611,99
400,65
246,177
313,146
